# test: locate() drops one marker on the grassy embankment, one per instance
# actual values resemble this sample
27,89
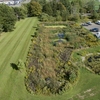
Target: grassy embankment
14,46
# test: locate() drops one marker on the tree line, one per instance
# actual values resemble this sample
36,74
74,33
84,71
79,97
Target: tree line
62,10
53,10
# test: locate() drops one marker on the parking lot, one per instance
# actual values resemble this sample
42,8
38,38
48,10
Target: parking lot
93,25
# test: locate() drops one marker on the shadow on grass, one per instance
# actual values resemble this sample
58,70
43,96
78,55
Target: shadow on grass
14,66
32,35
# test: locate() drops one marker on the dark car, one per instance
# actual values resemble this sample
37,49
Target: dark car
98,23
94,30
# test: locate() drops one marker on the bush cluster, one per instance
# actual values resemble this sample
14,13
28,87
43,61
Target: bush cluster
93,62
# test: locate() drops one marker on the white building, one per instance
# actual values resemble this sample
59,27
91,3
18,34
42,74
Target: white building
10,2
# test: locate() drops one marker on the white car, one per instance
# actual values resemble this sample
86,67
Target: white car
98,22
97,35
89,23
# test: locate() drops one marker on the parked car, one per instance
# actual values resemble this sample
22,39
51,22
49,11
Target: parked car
97,35
98,22
84,24
94,29
89,23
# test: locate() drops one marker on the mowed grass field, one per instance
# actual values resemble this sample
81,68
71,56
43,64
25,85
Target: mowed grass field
14,46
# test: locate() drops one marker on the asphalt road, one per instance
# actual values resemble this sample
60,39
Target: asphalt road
92,26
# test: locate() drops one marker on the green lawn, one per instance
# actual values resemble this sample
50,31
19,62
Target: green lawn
87,85
14,46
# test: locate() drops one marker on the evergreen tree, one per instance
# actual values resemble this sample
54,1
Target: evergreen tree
67,4
60,6
90,6
75,7
95,15
48,9
54,7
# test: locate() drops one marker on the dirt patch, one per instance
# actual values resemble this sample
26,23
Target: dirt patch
89,90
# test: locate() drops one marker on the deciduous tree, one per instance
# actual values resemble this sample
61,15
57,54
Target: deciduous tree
35,8
7,17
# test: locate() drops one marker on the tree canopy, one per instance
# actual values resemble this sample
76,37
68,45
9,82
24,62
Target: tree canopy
35,8
7,18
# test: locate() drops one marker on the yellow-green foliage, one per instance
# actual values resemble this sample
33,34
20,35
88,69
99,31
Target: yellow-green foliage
83,53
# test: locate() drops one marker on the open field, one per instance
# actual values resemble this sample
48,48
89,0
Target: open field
14,46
